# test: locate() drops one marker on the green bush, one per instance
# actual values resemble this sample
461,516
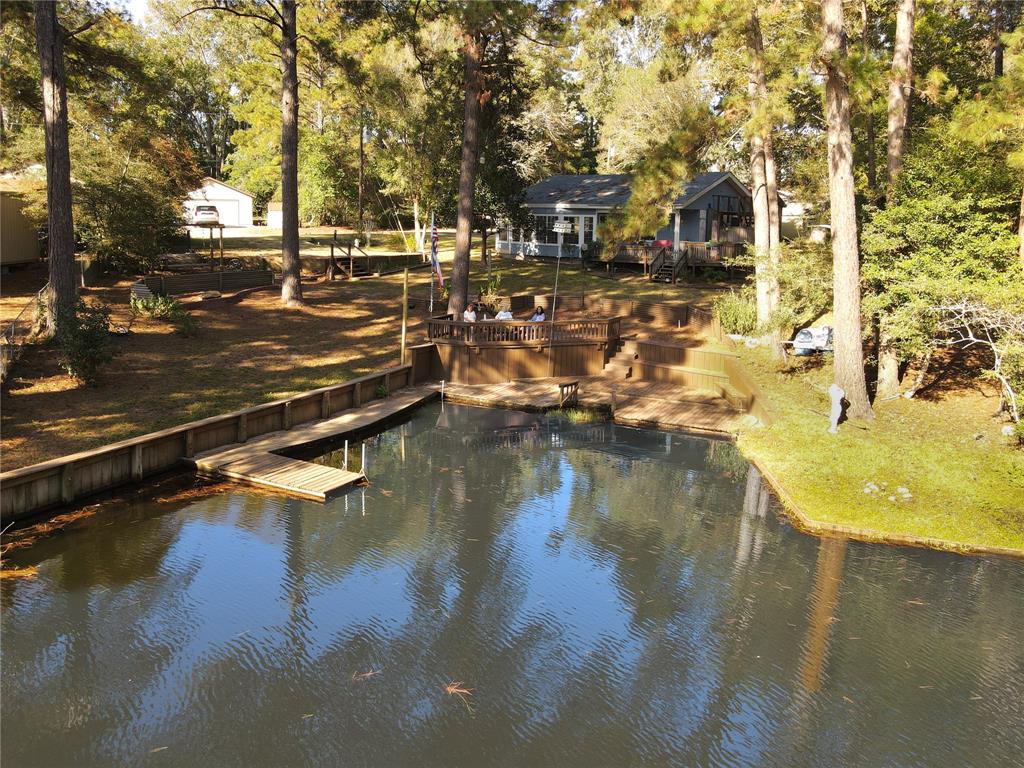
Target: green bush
737,311
85,343
160,307
381,391
167,308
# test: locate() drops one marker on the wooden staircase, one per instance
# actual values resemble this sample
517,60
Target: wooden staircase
665,271
620,365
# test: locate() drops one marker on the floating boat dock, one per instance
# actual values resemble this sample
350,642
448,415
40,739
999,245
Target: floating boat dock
259,461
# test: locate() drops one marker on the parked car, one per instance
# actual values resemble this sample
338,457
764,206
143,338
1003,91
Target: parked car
205,214
810,341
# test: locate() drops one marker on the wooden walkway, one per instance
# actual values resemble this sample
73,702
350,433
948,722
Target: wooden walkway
258,462
636,402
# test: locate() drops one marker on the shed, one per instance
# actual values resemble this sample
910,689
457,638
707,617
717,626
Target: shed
19,239
274,214
233,205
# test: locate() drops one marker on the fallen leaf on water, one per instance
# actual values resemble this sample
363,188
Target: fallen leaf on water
458,688
357,676
157,749
848,700
306,717
916,601
19,573
386,492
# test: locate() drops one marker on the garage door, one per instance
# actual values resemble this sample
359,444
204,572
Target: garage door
228,210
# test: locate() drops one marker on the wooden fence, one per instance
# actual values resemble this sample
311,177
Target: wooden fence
26,491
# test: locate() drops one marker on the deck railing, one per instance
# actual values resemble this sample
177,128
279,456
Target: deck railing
446,330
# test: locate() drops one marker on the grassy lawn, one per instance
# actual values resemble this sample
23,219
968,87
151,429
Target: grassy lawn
966,485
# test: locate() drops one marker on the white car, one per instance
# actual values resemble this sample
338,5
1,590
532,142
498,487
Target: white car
205,214
809,341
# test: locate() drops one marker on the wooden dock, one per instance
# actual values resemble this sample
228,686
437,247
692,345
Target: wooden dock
636,402
258,461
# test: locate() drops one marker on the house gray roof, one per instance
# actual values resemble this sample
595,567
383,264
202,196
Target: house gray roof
607,189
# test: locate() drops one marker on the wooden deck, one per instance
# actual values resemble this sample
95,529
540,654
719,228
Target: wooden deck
636,403
259,462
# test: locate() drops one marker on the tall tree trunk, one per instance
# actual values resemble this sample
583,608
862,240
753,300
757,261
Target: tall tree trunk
887,381
362,163
765,192
417,230
997,43
849,351
872,171
291,284
485,255
473,49
771,178
1020,230
900,79
762,227
63,290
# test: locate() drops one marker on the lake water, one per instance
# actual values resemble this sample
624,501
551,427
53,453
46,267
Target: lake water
511,590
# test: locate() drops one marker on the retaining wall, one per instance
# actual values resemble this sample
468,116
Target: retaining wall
32,489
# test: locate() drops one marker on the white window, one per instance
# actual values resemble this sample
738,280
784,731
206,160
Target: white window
544,229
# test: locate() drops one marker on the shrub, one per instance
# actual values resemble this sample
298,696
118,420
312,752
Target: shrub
489,295
382,391
737,311
85,342
167,308
160,307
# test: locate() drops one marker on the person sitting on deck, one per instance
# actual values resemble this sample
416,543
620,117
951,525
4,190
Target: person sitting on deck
503,314
538,315
469,316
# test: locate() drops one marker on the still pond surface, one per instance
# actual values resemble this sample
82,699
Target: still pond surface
511,590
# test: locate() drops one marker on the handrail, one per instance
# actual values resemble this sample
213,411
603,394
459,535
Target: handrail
680,264
447,330
659,262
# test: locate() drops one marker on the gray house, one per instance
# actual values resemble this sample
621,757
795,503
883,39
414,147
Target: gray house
712,207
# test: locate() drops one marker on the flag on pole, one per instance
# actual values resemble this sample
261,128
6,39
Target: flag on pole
433,253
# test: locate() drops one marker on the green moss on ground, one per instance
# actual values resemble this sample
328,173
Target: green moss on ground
966,482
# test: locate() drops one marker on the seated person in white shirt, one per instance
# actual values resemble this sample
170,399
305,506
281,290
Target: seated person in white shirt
469,316
503,314
538,315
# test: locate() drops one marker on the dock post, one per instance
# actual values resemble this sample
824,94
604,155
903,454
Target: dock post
137,462
362,460
344,463
67,483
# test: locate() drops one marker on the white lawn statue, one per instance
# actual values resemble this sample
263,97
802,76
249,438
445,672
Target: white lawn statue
836,393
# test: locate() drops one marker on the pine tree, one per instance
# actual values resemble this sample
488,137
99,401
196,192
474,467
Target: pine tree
849,352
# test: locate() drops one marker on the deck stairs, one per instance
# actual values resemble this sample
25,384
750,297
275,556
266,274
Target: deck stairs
620,365
626,364
664,271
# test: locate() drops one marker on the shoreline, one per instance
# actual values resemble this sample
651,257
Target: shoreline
806,524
